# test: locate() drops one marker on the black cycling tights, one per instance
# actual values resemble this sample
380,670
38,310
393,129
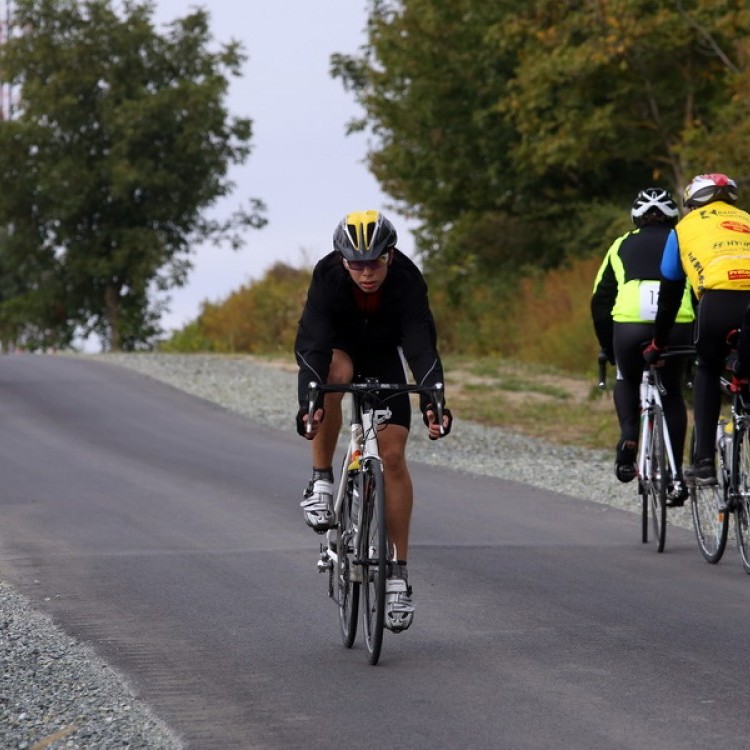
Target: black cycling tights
719,311
629,342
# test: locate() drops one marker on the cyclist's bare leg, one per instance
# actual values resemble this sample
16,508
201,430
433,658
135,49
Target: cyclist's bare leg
399,493
399,499
324,444
317,499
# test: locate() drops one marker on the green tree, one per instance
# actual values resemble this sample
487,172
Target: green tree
509,130
119,143
611,88
429,84
260,317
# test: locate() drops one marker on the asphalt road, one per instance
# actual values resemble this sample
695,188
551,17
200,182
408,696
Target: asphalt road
165,532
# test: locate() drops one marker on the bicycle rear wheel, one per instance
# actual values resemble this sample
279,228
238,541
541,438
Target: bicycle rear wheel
657,475
347,590
374,557
741,484
710,516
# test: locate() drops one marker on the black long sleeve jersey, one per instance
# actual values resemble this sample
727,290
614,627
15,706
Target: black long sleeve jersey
331,318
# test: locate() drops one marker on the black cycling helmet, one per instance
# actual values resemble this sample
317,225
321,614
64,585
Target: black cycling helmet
707,188
654,205
364,235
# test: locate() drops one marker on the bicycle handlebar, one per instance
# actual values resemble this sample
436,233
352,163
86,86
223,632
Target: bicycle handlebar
435,392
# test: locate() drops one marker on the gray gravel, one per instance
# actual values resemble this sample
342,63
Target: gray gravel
57,693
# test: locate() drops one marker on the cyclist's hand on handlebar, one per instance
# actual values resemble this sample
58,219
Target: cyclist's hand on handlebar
652,353
302,423
433,428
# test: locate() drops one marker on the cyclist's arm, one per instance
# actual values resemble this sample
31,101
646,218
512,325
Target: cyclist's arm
671,290
602,302
671,263
420,350
313,345
420,342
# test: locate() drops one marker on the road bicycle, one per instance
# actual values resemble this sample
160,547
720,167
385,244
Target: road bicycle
655,464
713,504
357,552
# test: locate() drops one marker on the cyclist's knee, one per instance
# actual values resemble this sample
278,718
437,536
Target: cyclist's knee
394,460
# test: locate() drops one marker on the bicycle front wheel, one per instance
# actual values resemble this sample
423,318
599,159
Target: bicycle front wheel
347,589
657,476
741,484
374,557
710,516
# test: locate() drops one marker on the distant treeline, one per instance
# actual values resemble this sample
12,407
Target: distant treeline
541,318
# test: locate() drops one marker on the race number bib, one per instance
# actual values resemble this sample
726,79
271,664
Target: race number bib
649,299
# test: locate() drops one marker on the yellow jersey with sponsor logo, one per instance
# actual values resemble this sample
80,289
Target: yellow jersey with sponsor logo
714,244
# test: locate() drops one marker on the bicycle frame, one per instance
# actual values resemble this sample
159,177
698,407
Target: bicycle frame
362,448
655,461
651,393
363,441
656,465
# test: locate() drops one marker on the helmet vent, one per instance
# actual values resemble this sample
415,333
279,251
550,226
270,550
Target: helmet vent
352,231
370,232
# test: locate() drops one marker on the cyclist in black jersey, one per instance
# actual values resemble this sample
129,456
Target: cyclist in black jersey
367,315
623,308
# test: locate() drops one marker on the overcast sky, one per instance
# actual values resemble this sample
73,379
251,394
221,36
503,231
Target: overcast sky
303,165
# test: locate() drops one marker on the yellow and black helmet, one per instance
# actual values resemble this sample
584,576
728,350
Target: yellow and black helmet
364,235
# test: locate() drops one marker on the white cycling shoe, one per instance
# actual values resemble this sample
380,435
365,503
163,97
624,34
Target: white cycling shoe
399,608
317,505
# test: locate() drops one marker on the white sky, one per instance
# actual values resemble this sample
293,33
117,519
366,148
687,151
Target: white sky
303,165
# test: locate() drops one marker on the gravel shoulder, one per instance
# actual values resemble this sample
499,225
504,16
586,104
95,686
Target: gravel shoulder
56,692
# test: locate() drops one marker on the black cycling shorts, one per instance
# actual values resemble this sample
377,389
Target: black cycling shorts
719,311
387,366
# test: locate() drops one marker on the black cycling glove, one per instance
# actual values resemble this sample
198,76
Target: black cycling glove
301,424
446,413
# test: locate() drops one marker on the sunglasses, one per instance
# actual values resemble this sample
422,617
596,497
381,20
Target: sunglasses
360,265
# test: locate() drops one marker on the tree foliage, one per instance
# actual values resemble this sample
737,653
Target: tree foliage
260,317
118,143
509,130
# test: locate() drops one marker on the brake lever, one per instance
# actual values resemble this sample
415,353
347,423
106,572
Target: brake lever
439,398
312,397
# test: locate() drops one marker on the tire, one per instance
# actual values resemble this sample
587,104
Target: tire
657,478
644,444
644,512
374,557
741,460
710,516
347,590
